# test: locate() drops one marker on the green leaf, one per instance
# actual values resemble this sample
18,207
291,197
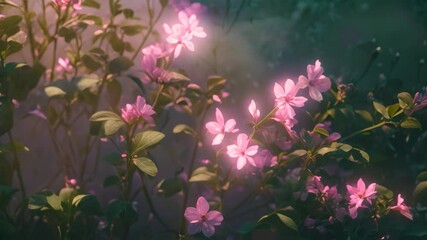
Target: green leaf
120,64
383,191
88,204
83,83
202,174
132,30
405,100
67,33
321,131
216,84
287,221
90,63
146,165
146,140
115,42
54,201
9,22
183,128
296,154
67,194
91,3
52,91
128,13
422,176
420,193
114,90
164,3
392,110
111,181
381,109
324,150
169,187
176,76
411,122
6,113
78,198
104,116
112,126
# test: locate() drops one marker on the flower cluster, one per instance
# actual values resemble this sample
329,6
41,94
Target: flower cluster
181,34
133,113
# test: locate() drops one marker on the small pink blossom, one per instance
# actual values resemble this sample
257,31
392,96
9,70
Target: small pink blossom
254,111
63,4
64,65
201,219
153,73
242,151
180,35
402,208
286,97
179,38
420,101
264,158
38,112
190,24
157,50
316,81
358,194
282,116
220,127
138,111
187,6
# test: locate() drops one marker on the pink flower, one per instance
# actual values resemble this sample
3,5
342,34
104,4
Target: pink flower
358,194
138,111
201,219
153,73
402,208
187,6
157,50
38,112
64,65
242,151
76,4
220,127
180,35
282,116
286,97
190,24
316,81
420,101
254,111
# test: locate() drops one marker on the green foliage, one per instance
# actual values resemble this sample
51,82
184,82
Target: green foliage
146,165
145,140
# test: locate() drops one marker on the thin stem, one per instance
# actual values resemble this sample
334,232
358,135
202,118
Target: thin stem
147,35
17,166
151,205
55,45
363,130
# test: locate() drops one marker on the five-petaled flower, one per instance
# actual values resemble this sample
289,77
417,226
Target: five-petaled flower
358,194
316,81
180,35
402,208
242,151
201,219
286,97
220,127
